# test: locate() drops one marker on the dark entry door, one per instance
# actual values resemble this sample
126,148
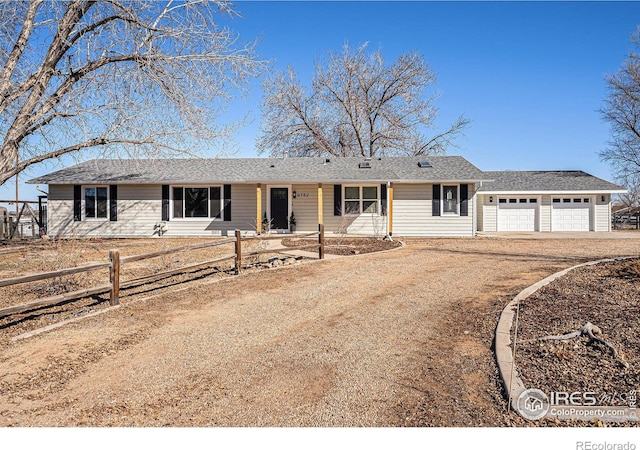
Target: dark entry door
279,208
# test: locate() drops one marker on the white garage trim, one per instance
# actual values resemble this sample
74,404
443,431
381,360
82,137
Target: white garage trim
517,214
571,213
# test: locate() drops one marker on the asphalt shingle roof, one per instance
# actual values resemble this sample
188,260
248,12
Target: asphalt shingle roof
548,180
264,170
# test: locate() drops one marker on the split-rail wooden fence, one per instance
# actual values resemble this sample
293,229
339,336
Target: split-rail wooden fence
116,262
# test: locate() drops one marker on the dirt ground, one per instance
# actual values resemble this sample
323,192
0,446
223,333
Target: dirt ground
402,338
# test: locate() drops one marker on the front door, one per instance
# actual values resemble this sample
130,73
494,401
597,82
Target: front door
279,208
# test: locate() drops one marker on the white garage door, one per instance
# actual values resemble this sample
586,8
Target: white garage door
571,214
517,214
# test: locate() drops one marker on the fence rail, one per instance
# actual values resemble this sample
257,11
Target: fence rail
115,264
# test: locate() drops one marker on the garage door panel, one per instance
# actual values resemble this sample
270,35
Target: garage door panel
516,216
571,216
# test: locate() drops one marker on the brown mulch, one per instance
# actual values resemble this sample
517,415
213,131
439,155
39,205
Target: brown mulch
607,295
347,246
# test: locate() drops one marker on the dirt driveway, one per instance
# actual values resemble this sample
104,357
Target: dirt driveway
400,338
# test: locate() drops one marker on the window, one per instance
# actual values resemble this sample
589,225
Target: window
533,200
450,199
502,200
566,200
523,200
513,200
361,199
586,200
197,202
96,202
556,200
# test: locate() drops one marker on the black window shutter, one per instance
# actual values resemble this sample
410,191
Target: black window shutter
337,199
227,202
383,199
77,203
178,202
214,202
464,199
113,203
165,202
436,200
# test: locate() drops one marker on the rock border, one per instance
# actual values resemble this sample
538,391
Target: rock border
509,376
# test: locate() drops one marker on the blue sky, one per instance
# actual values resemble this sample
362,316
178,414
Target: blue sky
529,75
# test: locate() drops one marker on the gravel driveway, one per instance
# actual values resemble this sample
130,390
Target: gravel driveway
390,339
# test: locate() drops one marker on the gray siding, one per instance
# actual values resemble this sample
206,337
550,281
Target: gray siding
139,209
545,213
487,213
602,213
365,224
243,217
305,206
412,214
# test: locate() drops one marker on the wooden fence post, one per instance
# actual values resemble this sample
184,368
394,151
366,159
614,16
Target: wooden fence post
238,252
321,241
114,275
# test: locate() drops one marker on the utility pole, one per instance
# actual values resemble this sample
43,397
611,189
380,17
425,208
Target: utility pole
17,193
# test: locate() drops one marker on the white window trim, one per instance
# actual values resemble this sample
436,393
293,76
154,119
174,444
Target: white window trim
360,199
197,219
442,200
84,203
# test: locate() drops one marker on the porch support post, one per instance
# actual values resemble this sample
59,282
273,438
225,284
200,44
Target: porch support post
259,208
320,217
390,208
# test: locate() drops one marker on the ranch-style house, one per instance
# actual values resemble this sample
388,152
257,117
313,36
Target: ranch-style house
395,196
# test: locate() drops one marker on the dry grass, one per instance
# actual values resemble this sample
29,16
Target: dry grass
47,256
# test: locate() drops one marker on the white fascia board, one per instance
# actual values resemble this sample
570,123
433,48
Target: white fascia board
437,181
551,192
360,181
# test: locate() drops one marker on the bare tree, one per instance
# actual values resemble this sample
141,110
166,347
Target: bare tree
356,106
147,77
622,111
631,198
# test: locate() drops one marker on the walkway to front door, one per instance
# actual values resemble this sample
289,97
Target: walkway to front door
279,208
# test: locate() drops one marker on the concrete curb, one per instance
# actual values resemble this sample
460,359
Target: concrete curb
511,380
